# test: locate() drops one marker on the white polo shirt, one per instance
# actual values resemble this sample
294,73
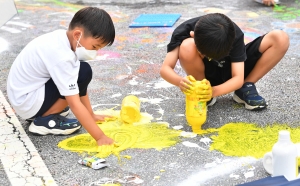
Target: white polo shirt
47,56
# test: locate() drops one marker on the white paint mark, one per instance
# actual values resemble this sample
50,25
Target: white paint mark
249,174
203,175
210,165
190,144
251,168
160,45
11,30
144,61
235,176
188,134
3,45
116,95
130,69
180,115
102,57
19,24
205,140
162,84
152,101
178,127
133,81
226,160
161,111
94,106
135,93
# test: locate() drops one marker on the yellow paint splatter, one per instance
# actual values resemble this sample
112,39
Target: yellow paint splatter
142,134
245,139
232,139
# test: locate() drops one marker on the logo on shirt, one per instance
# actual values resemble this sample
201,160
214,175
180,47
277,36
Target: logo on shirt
72,87
220,64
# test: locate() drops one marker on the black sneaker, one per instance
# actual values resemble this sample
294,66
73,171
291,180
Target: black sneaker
54,124
211,102
64,113
248,95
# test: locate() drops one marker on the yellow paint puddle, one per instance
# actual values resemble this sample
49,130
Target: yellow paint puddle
246,139
142,134
232,139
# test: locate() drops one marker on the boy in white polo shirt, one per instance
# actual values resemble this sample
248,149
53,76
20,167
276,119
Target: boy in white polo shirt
50,74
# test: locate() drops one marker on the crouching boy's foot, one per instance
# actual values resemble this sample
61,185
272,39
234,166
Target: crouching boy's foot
211,102
64,113
248,95
54,124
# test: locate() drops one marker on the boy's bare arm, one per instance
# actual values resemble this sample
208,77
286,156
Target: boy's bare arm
86,102
167,70
236,82
87,121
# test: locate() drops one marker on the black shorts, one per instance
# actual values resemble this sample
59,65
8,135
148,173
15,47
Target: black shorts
52,94
218,75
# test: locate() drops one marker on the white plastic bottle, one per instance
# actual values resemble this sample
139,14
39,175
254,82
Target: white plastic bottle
284,154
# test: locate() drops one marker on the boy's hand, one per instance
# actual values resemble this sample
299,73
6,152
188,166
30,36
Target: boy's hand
204,92
186,84
102,118
104,140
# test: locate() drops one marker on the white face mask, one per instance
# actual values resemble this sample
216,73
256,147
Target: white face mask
84,54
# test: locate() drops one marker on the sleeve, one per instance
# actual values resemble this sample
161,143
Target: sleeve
181,33
238,51
65,75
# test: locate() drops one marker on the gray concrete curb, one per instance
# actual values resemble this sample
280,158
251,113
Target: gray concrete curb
21,161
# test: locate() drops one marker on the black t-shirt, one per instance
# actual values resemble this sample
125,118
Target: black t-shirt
236,54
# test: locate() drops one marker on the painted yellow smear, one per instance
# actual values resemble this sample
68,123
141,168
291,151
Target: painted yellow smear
252,14
246,139
141,134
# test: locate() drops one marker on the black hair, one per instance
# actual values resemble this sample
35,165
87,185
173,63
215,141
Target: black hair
214,35
96,22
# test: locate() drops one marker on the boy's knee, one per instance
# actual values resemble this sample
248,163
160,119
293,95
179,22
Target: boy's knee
281,38
85,72
187,50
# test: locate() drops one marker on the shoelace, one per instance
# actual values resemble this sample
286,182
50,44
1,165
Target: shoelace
251,91
59,119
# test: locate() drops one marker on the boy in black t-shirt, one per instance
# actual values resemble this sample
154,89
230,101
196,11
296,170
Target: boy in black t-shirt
212,47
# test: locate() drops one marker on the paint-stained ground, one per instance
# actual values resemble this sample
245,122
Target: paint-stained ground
131,66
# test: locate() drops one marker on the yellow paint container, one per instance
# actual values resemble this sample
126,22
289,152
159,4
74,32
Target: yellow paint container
130,111
195,110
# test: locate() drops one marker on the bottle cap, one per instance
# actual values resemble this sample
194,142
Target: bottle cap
284,135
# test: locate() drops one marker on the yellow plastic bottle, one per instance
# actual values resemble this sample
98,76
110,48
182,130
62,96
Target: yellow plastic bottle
195,110
130,110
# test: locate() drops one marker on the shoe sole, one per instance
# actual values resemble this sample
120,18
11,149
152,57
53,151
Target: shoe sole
248,107
64,114
213,101
40,130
